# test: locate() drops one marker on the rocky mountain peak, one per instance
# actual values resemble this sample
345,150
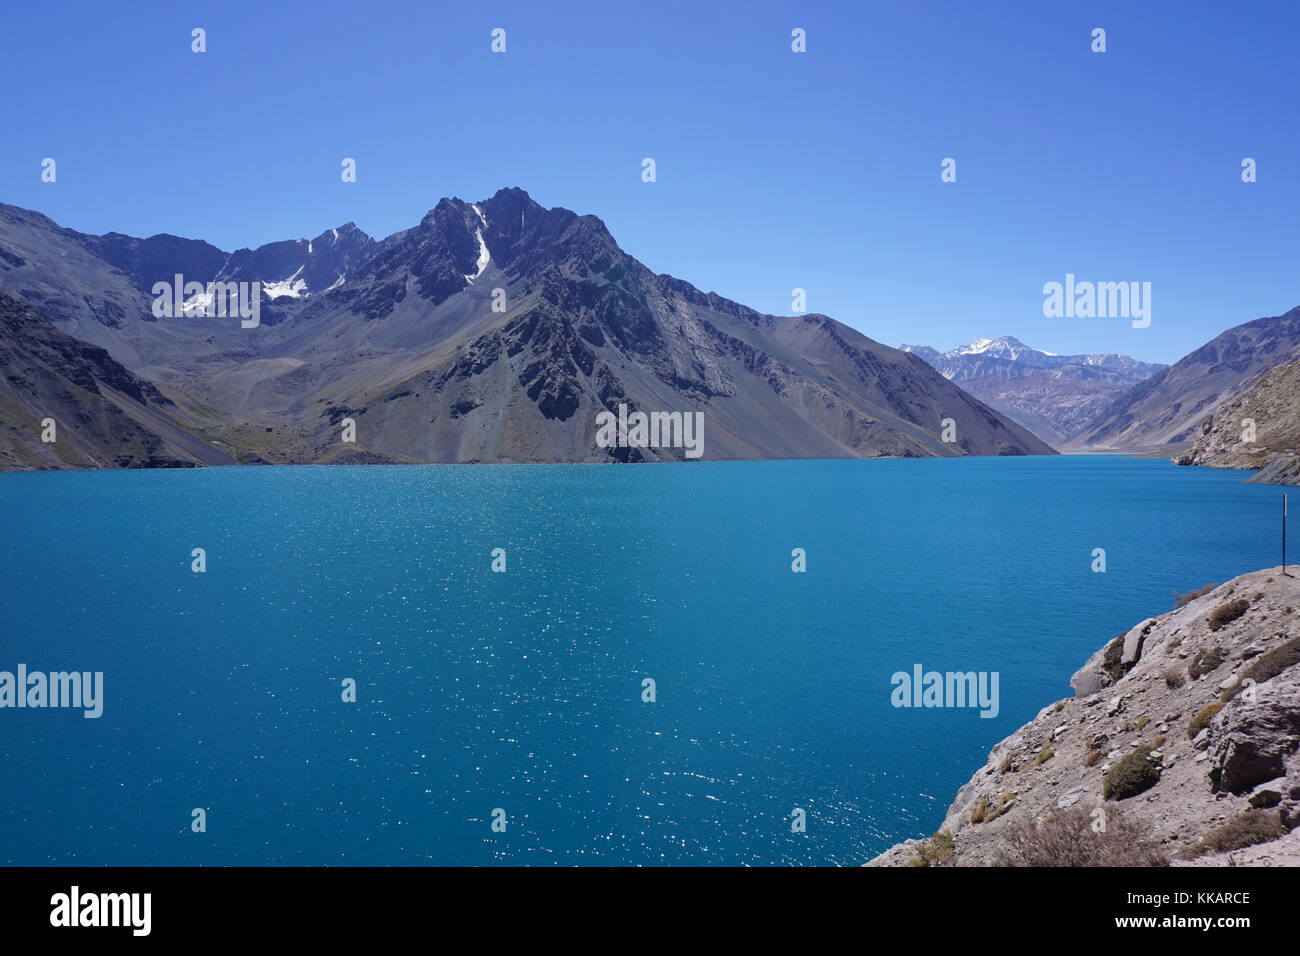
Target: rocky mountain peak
496,331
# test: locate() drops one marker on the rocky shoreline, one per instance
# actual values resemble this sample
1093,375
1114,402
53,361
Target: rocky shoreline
1260,429
1178,748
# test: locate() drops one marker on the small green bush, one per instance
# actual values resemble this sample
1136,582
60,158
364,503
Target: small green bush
1132,774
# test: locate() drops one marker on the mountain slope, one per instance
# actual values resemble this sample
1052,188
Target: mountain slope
105,416
493,331
1168,407
1183,724
1054,396
586,328
1272,404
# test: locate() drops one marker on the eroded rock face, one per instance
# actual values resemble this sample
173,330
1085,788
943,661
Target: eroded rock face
1173,687
1252,741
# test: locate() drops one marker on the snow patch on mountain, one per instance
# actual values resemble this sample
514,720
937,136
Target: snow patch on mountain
292,287
484,257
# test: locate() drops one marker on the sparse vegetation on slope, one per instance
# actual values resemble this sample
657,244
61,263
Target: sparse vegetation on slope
1187,726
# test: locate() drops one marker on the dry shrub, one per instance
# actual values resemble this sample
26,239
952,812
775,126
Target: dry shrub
1203,718
1185,599
1067,838
1111,659
1274,662
1248,829
1205,661
936,851
1227,613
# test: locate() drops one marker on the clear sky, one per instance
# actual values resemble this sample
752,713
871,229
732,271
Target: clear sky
775,170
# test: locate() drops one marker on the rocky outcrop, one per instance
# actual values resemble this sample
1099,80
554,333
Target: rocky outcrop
1282,470
1260,429
1185,729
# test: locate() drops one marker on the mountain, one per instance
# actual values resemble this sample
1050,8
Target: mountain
292,268
1168,408
490,331
1258,429
104,416
1054,396
1180,738
1008,357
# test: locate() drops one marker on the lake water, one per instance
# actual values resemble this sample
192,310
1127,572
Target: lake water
522,690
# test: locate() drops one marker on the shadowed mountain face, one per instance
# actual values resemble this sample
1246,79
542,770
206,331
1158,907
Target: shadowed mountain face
103,415
1168,408
495,331
1054,396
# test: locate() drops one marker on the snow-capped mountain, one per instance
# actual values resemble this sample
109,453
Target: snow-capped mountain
289,270
296,268
1008,357
1056,396
1004,347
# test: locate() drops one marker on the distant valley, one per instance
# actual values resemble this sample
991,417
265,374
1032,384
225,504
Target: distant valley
1058,397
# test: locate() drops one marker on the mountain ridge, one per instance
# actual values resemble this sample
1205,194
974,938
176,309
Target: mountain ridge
1259,429
99,414
1166,409
489,331
1054,396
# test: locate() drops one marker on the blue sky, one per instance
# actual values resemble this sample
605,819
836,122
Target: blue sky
776,170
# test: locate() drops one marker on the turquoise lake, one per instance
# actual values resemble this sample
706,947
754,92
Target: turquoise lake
523,690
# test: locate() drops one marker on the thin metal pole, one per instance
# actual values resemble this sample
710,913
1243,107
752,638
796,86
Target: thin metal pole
1284,532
